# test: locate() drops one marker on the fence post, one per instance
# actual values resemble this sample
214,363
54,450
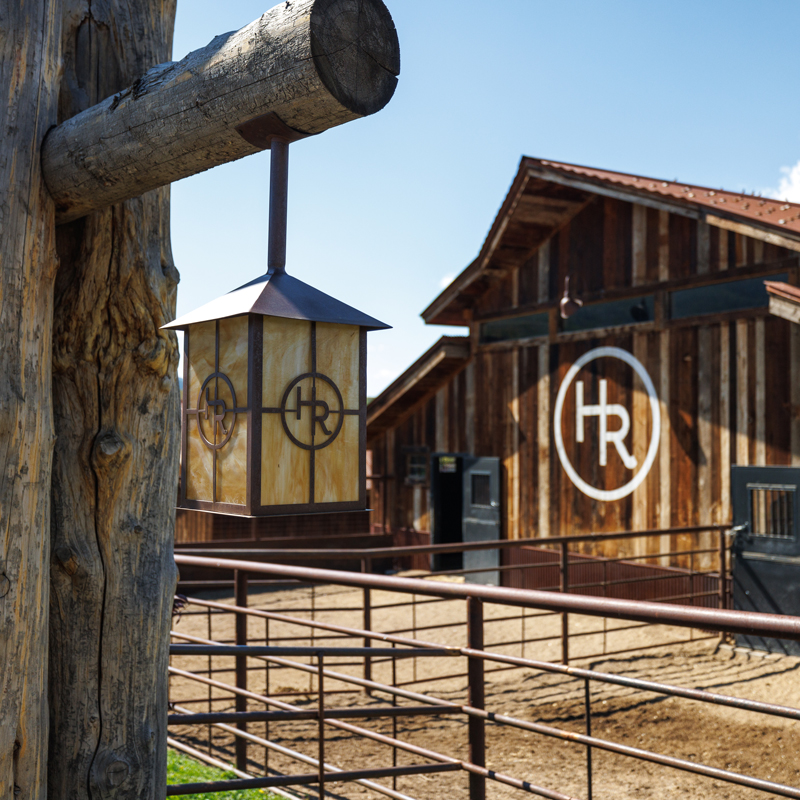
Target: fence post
588,716
564,587
240,599
321,723
476,697
721,583
366,568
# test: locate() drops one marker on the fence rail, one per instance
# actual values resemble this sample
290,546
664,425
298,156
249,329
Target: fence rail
385,649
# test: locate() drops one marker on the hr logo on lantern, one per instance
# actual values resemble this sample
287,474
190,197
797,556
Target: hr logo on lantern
613,424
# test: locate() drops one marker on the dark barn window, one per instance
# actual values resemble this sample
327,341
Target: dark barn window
416,465
615,313
527,327
721,297
771,510
481,489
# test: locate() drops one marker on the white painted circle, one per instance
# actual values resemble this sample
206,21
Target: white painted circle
607,495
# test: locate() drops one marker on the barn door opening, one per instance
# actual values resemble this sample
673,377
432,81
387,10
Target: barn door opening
447,501
465,498
766,550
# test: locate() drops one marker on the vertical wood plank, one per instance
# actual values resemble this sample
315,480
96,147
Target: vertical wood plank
639,244
641,440
612,272
663,245
742,443
778,383
515,288
441,420
454,415
725,422
758,251
761,395
527,460
469,406
794,366
512,447
391,490
703,248
704,439
740,243
543,440
543,287
723,251
664,489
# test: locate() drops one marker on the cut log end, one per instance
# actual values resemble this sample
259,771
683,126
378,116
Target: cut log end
356,52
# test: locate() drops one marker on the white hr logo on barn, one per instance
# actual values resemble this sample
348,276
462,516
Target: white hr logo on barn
603,410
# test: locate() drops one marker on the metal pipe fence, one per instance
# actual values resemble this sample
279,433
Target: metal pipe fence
343,659
547,564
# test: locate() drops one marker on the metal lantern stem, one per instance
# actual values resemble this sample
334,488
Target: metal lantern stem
278,201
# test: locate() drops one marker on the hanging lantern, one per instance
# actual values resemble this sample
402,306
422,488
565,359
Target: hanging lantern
274,391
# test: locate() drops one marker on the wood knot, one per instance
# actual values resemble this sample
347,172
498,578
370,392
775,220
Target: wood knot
67,559
5,585
110,450
117,773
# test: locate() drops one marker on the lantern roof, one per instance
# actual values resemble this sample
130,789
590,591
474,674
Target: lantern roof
277,294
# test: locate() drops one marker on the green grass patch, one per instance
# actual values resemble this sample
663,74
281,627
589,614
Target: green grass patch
182,769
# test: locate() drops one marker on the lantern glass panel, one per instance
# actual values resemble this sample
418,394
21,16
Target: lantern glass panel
285,473
232,458
336,465
199,459
216,411
310,413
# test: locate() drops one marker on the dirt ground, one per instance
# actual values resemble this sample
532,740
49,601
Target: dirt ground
740,741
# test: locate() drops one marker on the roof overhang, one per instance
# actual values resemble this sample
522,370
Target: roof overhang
418,383
784,300
545,196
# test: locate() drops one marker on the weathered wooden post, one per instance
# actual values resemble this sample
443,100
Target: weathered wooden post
29,63
130,122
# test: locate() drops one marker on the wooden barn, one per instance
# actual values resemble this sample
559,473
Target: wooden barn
621,358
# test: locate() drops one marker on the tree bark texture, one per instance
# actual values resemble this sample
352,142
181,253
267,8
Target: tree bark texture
313,63
29,42
116,456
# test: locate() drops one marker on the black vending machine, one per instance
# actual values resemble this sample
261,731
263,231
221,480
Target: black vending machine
465,499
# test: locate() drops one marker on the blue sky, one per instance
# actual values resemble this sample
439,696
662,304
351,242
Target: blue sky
382,211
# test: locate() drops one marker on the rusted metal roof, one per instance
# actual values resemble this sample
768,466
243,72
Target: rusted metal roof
784,300
784,290
422,379
546,194
782,215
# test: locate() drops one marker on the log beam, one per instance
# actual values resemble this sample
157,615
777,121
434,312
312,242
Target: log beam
314,64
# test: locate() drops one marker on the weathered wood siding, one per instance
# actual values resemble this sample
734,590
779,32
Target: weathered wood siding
727,384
